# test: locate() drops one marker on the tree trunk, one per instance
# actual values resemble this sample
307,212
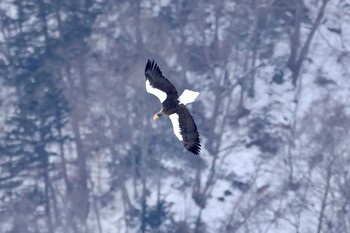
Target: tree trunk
296,60
47,201
81,190
80,193
325,197
45,170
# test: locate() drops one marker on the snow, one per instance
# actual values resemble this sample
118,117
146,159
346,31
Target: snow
283,104
243,162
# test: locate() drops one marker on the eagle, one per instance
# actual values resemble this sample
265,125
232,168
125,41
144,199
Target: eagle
173,105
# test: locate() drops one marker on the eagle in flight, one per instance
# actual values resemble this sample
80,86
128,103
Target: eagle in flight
172,105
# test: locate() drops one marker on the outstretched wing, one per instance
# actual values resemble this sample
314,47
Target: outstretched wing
157,84
185,129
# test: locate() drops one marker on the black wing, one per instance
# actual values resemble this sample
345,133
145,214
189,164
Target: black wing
157,80
188,128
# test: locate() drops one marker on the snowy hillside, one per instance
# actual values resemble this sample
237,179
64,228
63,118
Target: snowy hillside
81,153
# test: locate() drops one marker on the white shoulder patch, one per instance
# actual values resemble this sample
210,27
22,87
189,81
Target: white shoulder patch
188,96
160,94
176,125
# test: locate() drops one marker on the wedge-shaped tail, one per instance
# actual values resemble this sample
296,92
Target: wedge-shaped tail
188,97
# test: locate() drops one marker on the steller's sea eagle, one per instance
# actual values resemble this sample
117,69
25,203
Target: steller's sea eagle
172,105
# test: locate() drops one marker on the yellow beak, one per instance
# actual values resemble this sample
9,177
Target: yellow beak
155,117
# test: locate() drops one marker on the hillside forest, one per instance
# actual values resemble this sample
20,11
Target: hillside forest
80,153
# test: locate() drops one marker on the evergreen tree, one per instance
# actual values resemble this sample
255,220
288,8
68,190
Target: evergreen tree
34,137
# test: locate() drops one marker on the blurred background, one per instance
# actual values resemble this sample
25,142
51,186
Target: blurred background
79,151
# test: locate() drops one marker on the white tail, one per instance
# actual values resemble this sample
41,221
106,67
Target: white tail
188,96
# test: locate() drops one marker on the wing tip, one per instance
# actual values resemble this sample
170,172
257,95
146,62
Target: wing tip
152,65
149,65
194,148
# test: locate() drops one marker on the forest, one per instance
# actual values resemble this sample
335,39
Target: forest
80,153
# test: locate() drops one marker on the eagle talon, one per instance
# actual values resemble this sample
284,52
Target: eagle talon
155,117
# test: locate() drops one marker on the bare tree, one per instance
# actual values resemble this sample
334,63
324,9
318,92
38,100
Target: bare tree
298,49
